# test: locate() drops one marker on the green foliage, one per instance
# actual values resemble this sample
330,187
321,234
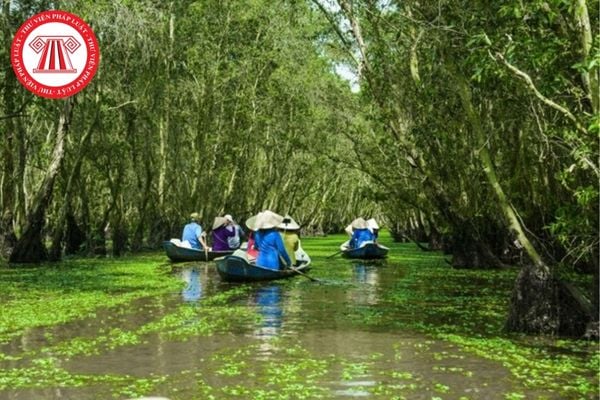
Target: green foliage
220,114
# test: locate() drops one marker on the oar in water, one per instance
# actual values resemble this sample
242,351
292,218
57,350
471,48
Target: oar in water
335,254
283,262
303,274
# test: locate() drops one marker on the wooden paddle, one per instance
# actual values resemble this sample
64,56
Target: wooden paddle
335,254
282,261
345,244
303,274
203,242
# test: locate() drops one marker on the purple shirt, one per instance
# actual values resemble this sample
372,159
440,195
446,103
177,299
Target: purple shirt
220,236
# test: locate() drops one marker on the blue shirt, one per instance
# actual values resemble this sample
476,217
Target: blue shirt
359,236
270,249
191,232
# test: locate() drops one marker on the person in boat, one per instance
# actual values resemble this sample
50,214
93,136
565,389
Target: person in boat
360,233
251,248
250,252
221,234
289,230
374,228
235,240
271,250
193,234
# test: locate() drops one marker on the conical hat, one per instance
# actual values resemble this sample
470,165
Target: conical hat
219,221
289,224
349,229
251,222
372,224
359,223
268,220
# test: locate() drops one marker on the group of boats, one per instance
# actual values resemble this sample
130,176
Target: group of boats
238,269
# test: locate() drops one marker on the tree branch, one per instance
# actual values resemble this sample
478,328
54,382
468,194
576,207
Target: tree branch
539,95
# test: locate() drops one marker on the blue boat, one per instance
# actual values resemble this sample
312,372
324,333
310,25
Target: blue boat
238,269
178,253
367,251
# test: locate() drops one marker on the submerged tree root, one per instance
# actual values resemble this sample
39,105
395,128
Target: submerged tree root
542,304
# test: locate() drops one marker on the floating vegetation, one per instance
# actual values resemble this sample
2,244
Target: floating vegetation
407,326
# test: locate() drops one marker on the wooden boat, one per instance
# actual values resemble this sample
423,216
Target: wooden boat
367,251
238,269
178,253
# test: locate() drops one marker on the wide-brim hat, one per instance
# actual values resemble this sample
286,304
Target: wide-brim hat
372,224
268,220
289,224
251,222
359,223
195,216
219,221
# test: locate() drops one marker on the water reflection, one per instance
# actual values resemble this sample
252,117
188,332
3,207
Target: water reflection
367,275
193,290
268,301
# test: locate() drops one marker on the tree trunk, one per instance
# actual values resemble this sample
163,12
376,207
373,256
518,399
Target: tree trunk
7,198
74,235
542,305
539,302
30,246
590,80
119,236
471,249
62,220
164,124
436,240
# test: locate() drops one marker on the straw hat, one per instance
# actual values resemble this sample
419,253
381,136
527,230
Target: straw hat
268,220
195,216
359,223
289,224
372,224
219,221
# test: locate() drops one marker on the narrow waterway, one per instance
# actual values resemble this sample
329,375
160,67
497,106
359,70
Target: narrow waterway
344,337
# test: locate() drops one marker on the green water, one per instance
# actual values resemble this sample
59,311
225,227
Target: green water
408,327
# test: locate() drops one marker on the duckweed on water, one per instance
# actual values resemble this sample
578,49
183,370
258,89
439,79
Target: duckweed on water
54,294
463,309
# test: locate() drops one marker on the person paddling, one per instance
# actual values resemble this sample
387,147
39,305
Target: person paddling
193,233
289,230
360,233
271,250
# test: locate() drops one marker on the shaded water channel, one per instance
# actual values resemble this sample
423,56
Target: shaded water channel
295,339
